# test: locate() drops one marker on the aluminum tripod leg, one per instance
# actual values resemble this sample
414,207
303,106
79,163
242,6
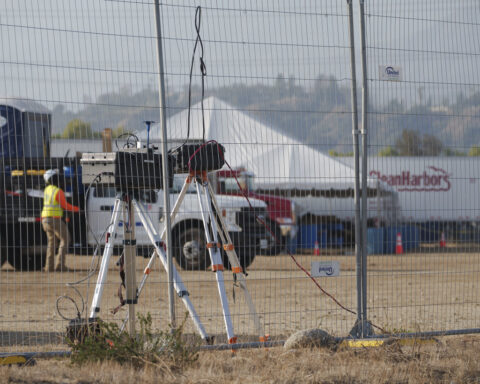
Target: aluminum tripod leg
107,253
178,203
235,264
178,284
175,210
216,258
129,262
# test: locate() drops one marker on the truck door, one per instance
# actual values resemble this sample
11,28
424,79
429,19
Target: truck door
100,208
99,211
148,198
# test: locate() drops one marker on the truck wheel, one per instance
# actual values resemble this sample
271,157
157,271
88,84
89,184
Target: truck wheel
191,250
3,252
276,245
26,262
245,255
3,256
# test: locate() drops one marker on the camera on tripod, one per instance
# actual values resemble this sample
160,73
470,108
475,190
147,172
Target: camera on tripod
129,169
141,168
206,157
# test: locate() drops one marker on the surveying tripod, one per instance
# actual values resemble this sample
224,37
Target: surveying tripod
214,227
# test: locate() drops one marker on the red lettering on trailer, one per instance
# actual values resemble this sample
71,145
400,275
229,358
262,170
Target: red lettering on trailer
433,179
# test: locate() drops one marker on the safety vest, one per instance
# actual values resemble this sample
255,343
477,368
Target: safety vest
51,207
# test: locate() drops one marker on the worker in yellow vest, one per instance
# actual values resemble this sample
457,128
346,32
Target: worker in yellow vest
54,204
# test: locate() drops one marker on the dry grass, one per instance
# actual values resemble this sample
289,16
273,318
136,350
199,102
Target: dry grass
451,360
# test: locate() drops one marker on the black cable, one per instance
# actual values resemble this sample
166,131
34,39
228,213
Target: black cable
128,144
65,297
203,70
92,268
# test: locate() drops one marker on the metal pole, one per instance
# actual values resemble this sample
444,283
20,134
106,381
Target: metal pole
129,262
166,194
364,169
356,153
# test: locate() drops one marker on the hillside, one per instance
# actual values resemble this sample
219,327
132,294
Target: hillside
319,115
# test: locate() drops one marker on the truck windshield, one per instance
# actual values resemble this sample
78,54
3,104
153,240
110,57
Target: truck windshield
230,185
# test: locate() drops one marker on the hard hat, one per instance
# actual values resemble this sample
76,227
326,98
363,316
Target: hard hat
49,174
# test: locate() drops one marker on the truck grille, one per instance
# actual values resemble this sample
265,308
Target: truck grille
247,218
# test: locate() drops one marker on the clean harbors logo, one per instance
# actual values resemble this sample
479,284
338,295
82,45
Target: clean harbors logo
390,72
3,121
432,179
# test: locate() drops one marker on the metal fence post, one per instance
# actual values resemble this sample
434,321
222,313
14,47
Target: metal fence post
366,329
356,153
166,191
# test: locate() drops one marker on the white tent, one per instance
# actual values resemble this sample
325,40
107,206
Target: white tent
278,162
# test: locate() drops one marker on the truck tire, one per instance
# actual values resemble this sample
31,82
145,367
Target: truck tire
245,255
190,249
26,262
3,255
3,251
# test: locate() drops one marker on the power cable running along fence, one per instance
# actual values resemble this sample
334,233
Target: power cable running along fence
280,95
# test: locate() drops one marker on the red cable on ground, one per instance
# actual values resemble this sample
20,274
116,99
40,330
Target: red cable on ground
273,235
268,228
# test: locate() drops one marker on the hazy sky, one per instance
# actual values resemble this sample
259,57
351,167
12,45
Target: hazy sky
71,52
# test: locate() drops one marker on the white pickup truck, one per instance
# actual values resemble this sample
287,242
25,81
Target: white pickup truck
189,244
23,242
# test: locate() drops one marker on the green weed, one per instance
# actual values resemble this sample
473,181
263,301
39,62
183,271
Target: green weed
164,349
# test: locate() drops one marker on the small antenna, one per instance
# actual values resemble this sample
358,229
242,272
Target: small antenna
148,123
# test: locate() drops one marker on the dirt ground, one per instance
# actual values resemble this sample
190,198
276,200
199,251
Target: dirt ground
412,292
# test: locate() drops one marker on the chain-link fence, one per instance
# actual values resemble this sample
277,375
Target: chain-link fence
422,124
272,83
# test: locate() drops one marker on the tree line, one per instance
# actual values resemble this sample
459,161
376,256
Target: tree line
315,112
79,129
411,143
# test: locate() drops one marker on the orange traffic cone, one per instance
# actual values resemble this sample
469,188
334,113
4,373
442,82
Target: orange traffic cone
399,247
316,250
443,242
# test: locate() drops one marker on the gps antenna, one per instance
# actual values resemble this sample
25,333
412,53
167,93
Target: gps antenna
148,123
